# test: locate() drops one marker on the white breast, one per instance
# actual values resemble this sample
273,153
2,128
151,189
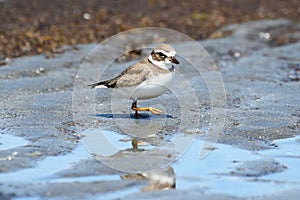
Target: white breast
151,88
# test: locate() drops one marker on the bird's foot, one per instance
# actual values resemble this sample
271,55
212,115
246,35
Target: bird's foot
149,109
155,111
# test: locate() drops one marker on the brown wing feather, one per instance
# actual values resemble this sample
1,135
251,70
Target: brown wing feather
133,75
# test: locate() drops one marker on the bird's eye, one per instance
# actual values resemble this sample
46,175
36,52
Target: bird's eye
162,55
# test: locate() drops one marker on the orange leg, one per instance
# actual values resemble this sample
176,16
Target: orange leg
149,109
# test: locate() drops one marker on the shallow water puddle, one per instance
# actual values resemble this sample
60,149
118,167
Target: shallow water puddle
233,171
8,141
288,154
217,172
227,170
46,168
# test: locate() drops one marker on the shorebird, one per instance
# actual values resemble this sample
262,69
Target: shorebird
145,79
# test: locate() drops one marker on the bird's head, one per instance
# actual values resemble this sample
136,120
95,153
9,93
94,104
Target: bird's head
163,56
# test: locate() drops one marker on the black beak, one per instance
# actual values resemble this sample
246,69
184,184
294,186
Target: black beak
174,60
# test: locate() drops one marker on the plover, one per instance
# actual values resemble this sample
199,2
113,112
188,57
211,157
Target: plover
145,79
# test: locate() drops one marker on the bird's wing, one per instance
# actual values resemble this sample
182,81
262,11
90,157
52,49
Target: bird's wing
133,75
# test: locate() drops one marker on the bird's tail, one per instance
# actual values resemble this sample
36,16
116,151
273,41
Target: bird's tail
103,84
97,85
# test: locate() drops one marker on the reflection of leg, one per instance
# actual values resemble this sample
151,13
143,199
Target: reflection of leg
149,109
134,144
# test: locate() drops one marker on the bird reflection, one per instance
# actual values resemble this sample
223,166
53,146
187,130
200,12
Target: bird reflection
164,179
140,157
